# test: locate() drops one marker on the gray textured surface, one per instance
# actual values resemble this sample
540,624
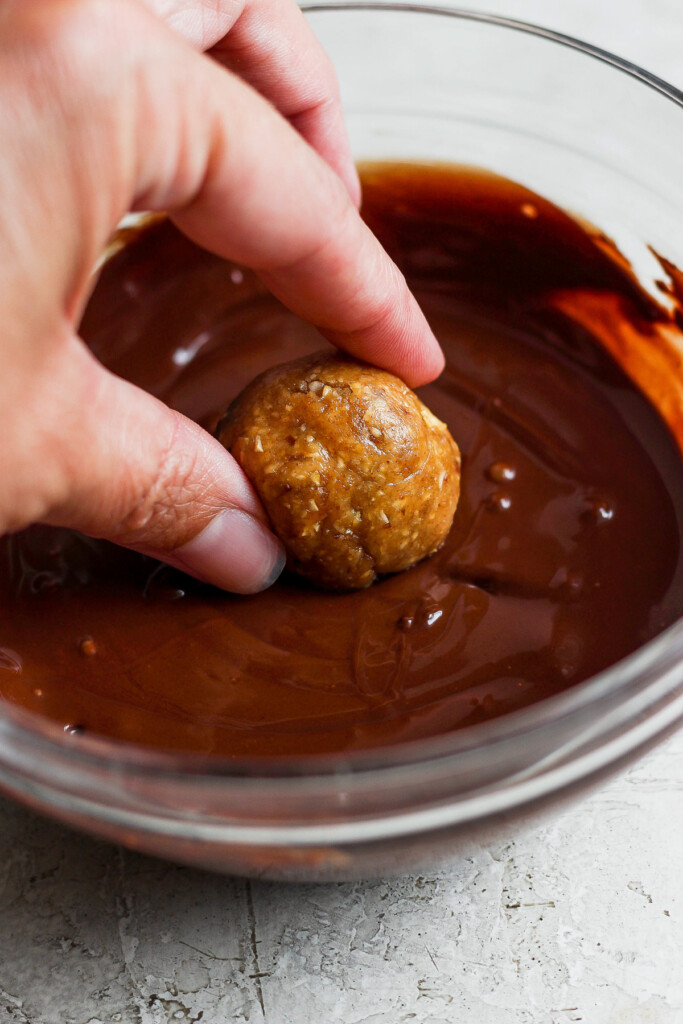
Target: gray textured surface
581,920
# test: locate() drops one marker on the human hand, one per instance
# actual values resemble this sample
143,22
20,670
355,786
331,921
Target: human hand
109,108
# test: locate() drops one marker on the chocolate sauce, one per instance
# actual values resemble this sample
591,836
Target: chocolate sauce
564,557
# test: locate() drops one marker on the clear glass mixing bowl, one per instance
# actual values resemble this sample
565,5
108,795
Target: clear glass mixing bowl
599,137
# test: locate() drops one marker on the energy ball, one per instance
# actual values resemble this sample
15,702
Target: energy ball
358,477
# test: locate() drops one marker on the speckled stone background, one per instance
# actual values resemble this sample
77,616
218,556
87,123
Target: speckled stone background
582,920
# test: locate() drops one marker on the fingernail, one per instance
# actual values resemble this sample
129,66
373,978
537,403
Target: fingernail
235,552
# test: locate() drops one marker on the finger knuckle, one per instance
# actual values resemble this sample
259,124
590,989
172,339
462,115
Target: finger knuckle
72,41
58,33
383,300
160,509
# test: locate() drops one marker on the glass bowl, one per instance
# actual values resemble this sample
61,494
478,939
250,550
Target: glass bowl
600,138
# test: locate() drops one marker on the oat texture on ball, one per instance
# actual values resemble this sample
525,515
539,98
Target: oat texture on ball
357,476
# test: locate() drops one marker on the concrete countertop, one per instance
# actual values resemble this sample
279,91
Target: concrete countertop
580,920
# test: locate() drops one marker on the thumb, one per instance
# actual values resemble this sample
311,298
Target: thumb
136,472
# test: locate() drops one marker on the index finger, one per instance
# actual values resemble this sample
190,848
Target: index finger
263,197
270,44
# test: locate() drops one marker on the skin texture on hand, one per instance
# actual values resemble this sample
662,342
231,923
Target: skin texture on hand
270,44
113,107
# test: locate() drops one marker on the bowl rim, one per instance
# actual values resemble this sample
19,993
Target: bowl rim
515,24
627,679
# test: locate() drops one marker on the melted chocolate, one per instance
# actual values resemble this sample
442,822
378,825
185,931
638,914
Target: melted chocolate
565,553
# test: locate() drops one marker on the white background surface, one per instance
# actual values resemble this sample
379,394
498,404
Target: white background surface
579,921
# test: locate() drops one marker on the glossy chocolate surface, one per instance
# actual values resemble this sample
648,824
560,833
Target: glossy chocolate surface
565,553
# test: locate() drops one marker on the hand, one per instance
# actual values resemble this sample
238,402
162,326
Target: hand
108,108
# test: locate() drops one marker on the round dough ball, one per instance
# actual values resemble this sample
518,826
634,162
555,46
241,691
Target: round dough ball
358,477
